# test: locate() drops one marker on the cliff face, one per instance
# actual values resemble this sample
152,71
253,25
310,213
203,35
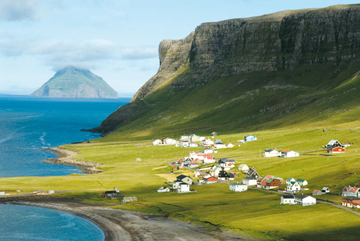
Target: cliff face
272,42
236,62
72,82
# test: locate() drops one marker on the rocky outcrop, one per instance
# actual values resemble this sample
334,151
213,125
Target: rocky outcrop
271,42
72,82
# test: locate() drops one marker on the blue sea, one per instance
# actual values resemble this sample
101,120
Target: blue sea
27,125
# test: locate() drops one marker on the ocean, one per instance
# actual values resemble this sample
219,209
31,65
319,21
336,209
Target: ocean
28,125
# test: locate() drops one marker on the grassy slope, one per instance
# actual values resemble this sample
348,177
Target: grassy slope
255,213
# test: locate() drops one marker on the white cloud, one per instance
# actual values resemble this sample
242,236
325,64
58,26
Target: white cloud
139,53
18,10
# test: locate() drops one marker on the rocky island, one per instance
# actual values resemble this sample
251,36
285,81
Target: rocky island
72,82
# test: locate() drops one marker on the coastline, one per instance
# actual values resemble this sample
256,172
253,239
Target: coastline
118,224
67,157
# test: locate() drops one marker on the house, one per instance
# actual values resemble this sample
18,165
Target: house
163,189
325,190
226,163
269,182
250,181
183,188
192,165
208,142
183,178
185,144
250,138
351,202
208,151
333,144
289,153
287,199
176,184
210,180
215,170
336,150
208,159
223,175
219,144
237,187
317,193
193,144
112,193
271,153
230,145
302,182
184,137
293,187
213,134
289,180
350,191
168,141
156,142
305,200
243,167
194,138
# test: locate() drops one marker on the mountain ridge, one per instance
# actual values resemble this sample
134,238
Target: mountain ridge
312,50
72,82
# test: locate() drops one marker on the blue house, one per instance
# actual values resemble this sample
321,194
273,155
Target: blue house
250,138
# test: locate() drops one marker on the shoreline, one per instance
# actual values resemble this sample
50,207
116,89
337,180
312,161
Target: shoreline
67,157
118,224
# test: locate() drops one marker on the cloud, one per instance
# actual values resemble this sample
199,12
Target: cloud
139,53
18,10
59,53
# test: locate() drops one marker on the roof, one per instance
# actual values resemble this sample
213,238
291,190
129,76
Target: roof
236,183
242,165
286,151
288,196
290,178
350,189
332,142
269,150
181,177
316,191
300,180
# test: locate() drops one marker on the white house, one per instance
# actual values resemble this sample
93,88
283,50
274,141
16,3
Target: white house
226,163
220,145
287,199
207,142
243,167
289,153
293,187
156,142
325,190
237,187
176,184
250,138
163,189
185,144
168,141
183,187
271,153
208,151
289,180
215,170
185,179
249,181
305,200
351,191
208,159
193,144
302,182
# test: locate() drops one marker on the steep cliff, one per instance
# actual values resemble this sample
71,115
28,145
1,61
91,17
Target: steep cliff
72,82
298,51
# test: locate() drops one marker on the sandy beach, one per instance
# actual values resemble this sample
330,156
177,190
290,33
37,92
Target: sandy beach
127,225
67,157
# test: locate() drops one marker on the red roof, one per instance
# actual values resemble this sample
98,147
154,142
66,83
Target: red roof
208,156
350,189
285,150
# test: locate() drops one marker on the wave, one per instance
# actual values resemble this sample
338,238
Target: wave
43,142
6,138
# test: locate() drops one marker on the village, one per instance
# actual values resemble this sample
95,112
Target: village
207,170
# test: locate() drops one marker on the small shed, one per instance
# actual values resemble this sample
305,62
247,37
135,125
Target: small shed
243,167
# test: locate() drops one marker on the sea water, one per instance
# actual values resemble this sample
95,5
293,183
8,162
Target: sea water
33,223
27,125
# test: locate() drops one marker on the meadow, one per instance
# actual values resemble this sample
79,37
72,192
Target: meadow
256,213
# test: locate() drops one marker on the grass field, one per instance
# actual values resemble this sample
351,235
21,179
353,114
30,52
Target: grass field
256,213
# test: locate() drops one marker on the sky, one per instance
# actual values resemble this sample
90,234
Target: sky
115,39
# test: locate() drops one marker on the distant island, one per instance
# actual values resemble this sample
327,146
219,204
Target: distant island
72,82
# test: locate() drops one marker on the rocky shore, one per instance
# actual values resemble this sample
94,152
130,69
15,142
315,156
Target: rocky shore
125,225
67,157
